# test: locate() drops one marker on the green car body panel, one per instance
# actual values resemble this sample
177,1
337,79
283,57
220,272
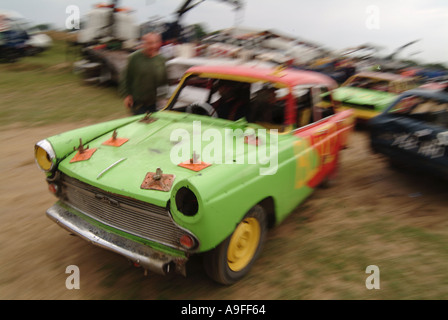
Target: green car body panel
378,99
225,191
365,103
64,143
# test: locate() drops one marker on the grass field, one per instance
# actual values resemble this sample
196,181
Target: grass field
372,215
43,89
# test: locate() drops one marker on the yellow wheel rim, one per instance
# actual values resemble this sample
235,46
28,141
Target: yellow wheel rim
243,244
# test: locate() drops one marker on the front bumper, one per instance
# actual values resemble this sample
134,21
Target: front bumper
140,254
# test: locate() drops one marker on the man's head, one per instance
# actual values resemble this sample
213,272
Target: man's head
151,44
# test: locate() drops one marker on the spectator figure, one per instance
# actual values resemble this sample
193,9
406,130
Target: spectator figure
144,81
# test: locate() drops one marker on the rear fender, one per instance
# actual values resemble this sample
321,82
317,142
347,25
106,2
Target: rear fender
327,136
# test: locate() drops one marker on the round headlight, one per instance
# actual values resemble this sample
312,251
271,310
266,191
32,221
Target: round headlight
44,155
186,202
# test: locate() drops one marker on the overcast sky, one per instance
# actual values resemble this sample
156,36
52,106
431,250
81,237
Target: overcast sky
335,24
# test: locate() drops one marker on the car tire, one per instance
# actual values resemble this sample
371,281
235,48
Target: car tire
234,257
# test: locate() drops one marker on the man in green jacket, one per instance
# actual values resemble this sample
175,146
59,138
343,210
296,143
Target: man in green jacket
144,80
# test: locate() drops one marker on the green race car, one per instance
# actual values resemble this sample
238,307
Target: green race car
234,151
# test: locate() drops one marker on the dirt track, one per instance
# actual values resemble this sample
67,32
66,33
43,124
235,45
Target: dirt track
35,252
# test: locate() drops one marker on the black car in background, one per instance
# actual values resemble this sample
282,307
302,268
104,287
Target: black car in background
413,131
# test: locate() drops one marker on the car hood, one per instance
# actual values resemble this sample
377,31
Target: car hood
151,144
363,96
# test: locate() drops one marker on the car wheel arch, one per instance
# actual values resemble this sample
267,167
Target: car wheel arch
268,204
217,262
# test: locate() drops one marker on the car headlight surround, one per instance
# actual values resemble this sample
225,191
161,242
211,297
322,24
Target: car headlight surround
187,202
45,155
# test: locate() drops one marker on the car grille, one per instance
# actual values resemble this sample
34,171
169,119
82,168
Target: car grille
132,216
